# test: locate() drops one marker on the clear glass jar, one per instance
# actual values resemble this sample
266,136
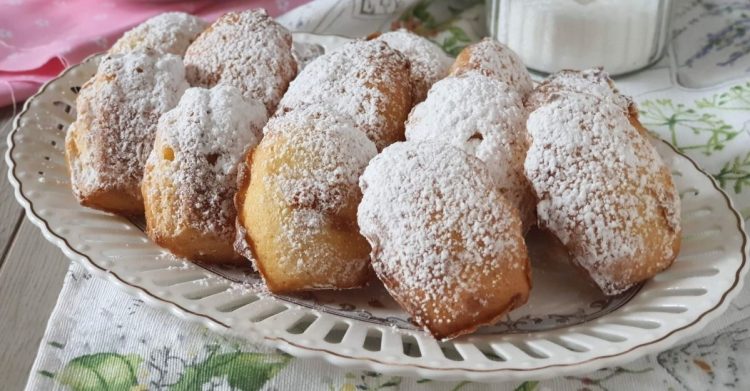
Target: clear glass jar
550,35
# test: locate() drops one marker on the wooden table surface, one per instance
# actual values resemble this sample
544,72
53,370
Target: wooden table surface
32,271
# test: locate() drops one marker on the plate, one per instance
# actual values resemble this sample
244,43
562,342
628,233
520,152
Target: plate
567,327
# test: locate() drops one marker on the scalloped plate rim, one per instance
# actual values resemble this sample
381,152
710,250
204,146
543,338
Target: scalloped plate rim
253,333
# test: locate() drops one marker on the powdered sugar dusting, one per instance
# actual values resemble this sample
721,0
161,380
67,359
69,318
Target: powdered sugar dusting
247,50
254,287
436,224
491,58
319,187
170,32
117,114
601,187
593,81
486,118
346,81
429,63
327,181
197,149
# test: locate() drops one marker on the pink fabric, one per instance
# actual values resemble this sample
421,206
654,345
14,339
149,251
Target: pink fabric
39,38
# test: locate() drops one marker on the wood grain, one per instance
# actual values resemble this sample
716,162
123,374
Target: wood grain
10,212
30,282
32,271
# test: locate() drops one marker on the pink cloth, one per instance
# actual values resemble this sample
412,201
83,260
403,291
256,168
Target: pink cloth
39,38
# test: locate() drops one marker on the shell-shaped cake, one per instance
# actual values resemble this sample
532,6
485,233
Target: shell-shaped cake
603,190
362,81
297,203
247,50
170,32
117,111
491,58
486,118
445,243
594,81
429,63
190,177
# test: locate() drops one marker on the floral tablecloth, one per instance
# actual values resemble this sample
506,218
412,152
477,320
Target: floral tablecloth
698,97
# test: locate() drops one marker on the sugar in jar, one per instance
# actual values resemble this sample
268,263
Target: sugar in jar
549,35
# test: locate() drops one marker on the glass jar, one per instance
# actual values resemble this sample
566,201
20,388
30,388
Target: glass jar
620,35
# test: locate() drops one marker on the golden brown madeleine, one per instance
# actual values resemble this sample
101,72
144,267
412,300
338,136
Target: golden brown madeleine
486,118
446,244
603,190
117,111
298,205
247,50
363,81
593,81
429,63
491,58
170,32
191,174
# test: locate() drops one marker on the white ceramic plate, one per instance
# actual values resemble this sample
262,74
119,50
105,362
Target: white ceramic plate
567,327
